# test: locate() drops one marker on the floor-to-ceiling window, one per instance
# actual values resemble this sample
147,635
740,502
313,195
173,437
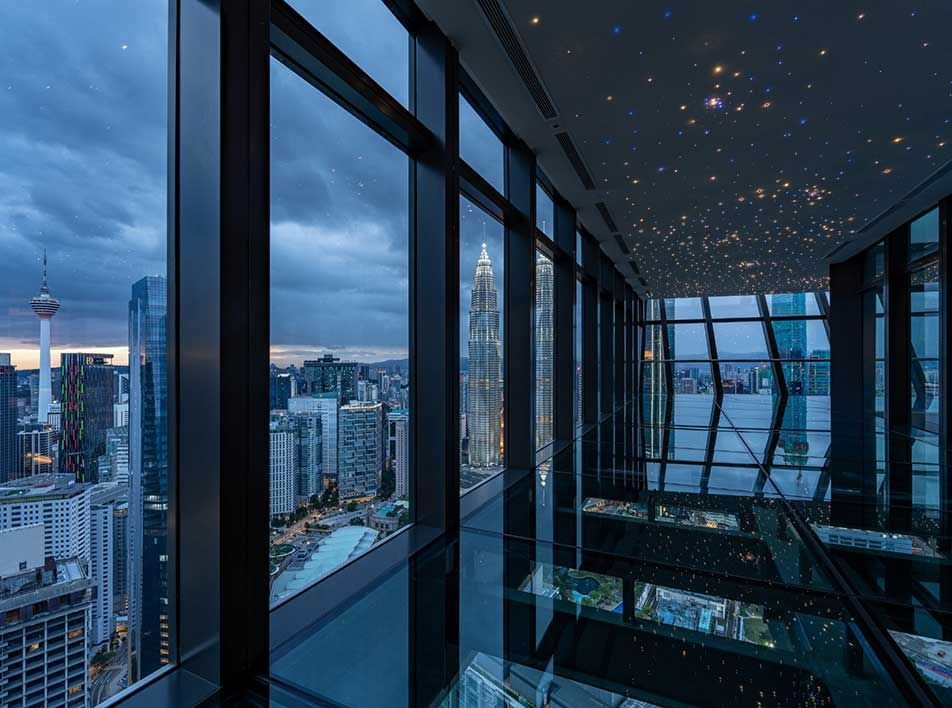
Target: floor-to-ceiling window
339,377
87,569
730,383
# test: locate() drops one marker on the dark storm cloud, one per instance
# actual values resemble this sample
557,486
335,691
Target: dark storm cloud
83,139
82,162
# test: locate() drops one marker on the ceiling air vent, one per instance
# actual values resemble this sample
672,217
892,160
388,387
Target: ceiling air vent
572,154
634,266
606,216
644,283
503,29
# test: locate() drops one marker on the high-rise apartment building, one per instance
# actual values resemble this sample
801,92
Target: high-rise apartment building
329,373
148,477
544,350
45,306
102,571
398,429
326,405
308,453
45,609
281,465
484,400
59,503
8,419
87,391
360,449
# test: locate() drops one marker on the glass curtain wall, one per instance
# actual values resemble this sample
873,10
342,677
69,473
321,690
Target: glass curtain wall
544,350
339,291
86,575
729,376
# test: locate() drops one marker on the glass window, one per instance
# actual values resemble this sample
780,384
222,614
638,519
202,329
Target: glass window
742,377
369,34
480,146
683,308
653,310
692,378
654,345
544,349
687,341
83,321
925,370
545,212
924,235
339,332
783,304
481,298
874,262
740,340
578,248
725,307
801,339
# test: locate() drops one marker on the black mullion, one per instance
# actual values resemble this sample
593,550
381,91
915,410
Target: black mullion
777,421
709,451
945,349
898,373
317,60
477,190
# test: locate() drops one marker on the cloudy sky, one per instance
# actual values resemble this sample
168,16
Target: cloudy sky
83,132
82,165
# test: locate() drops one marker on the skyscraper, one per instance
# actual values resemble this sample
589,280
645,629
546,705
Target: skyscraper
326,405
483,396
87,388
308,453
361,449
791,338
45,306
397,421
36,451
8,419
545,349
329,373
148,477
281,464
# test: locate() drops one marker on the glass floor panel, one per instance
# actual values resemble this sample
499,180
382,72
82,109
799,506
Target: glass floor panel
606,578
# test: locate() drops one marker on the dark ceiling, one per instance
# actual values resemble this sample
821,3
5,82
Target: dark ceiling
734,143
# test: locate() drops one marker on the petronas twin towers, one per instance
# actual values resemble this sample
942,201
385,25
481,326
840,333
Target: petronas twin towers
484,400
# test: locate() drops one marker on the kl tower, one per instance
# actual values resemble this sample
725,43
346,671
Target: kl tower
45,306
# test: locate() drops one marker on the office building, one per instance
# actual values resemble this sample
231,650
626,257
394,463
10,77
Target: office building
102,571
59,503
45,605
8,419
360,449
114,463
281,387
330,374
87,392
149,617
484,411
544,350
326,405
37,450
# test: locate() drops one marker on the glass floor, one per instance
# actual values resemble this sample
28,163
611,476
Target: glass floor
710,569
